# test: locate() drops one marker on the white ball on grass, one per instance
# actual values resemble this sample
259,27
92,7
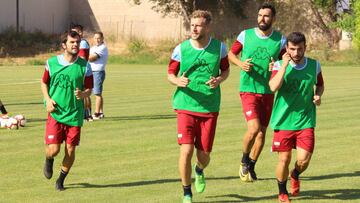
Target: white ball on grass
12,124
21,120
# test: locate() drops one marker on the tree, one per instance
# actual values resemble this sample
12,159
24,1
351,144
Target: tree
357,24
325,14
314,16
184,8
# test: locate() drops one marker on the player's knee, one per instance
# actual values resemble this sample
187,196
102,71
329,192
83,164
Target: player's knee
186,150
254,130
203,155
303,163
53,150
285,160
70,149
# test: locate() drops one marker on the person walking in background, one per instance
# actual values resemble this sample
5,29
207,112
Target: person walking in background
98,59
67,79
197,67
84,51
293,119
257,46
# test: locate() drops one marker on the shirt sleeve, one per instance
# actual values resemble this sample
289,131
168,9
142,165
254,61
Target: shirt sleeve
174,64
224,62
88,82
88,70
46,74
275,69
84,53
282,46
174,67
176,55
100,51
84,44
319,78
283,42
46,77
223,50
238,44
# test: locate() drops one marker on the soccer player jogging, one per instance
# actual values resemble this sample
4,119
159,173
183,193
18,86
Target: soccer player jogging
257,46
197,67
67,79
84,52
299,85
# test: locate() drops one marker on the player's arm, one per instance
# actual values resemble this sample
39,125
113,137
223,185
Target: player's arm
84,50
50,104
277,77
214,82
319,88
93,57
245,66
96,53
88,84
81,94
224,69
173,70
235,50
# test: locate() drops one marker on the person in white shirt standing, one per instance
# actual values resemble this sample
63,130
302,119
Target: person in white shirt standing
98,59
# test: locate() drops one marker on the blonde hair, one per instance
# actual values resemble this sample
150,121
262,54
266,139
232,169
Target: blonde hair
202,14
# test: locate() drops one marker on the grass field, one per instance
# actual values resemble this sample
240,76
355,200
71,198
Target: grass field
131,155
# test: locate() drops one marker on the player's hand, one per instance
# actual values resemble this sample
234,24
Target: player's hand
286,58
183,81
50,105
213,82
246,65
271,64
78,94
317,100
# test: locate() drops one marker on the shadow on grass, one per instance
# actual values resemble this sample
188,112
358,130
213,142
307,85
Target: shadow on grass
336,194
144,117
131,184
139,183
332,176
118,118
36,119
20,104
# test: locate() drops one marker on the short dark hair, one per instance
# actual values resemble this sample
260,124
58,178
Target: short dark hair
67,33
99,33
202,14
269,6
74,26
296,38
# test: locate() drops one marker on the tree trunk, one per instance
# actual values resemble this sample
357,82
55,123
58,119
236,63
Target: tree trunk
333,36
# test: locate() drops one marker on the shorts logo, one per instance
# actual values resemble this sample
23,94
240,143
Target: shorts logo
179,135
248,113
50,137
276,144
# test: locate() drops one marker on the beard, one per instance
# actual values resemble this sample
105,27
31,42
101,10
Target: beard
197,37
297,59
264,26
73,52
